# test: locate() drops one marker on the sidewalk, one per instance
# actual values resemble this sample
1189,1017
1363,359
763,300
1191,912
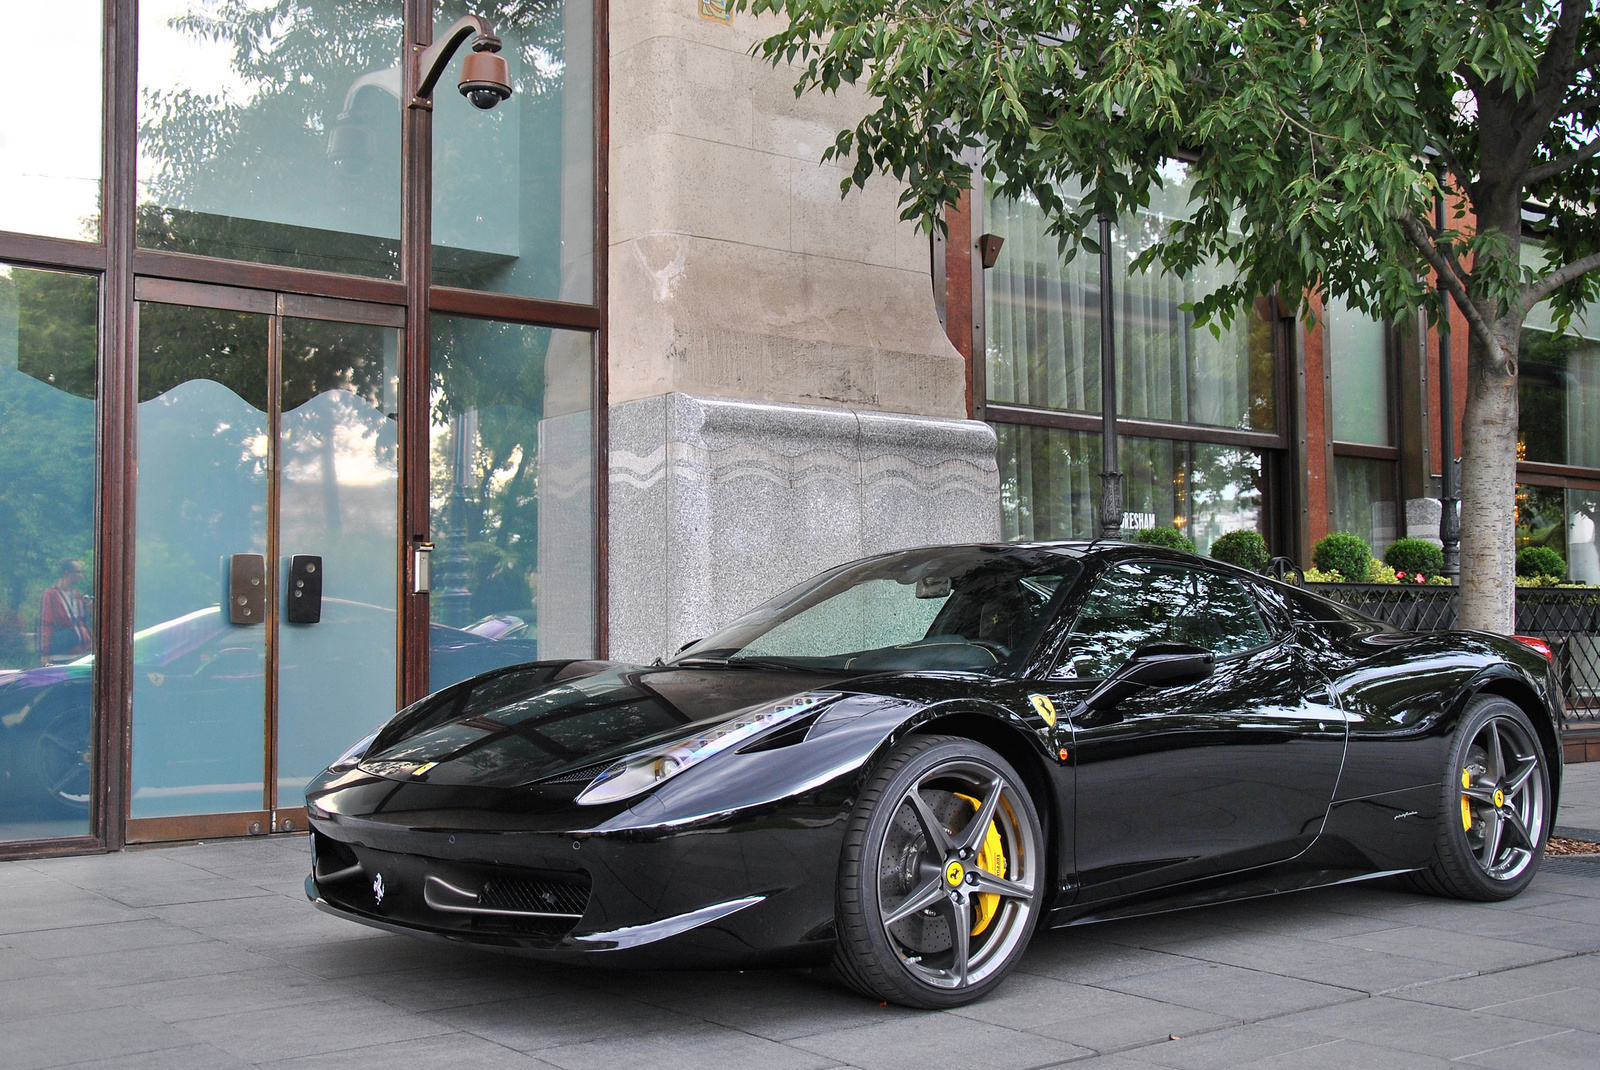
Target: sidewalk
210,957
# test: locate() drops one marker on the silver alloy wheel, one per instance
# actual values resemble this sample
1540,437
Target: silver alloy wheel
929,874
1502,798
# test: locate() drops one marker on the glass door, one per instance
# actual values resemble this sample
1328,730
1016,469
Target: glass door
266,551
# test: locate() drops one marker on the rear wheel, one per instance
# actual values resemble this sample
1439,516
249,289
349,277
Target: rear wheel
1496,815
941,877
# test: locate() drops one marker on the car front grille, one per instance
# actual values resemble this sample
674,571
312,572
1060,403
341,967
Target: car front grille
534,896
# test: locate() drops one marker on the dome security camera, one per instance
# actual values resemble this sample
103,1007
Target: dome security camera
485,78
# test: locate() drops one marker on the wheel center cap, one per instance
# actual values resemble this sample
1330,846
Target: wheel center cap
1499,797
954,873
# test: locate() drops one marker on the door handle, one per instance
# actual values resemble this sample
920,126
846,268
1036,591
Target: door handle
247,589
303,594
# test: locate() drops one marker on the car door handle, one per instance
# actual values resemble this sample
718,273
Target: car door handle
303,594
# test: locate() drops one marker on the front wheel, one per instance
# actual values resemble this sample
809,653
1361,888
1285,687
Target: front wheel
942,875
1496,815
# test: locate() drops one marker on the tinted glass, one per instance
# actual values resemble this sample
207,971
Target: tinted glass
1365,501
1558,394
513,523
1203,490
269,130
50,127
47,455
1049,482
1134,604
958,609
1353,344
1043,325
513,187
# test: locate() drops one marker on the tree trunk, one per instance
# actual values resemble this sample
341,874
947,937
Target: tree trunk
1488,483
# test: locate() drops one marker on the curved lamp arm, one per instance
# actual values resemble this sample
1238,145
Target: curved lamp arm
429,63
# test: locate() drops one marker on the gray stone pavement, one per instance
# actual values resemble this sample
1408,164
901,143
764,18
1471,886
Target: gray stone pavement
208,957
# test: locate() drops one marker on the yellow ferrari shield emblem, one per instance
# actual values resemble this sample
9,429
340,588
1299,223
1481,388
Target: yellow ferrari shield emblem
1499,797
953,873
1045,708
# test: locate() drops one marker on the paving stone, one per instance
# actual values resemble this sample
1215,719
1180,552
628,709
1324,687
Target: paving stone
1426,1029
160,963
1457,947
1569,1008
45,995
1351,1055
686,1043
1076,955
1566,1050
495,980
1225,1049
330,1026
183,999
47,944
444,1052
1358,969
776,1005
60,1039
945,1040
189,1057
557,1019
1089,1017
1244,995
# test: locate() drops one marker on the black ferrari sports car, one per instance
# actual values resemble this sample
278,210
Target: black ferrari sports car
907,764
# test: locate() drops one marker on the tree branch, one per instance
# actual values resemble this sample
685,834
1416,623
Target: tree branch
1558,278
1417,234
1560,53
1554,167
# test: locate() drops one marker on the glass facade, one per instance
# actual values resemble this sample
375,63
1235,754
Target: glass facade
48,346
1558,397
1364,497
1043,328
1043,334
50,129
512,496
257,416
1354,345
513,188
269,131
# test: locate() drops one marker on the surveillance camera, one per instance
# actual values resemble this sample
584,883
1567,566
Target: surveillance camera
485,79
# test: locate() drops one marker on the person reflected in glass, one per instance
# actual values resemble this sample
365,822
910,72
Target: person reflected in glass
64,617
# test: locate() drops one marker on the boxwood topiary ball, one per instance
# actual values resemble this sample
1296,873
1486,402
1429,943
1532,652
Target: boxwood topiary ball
1346,554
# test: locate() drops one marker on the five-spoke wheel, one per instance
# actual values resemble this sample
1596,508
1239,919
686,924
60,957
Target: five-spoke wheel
1496,812
942,875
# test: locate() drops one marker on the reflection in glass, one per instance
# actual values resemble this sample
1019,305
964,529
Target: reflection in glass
1136,604
1203,490
47,454
1365,501
1049,482
338,500
269,130
1354,345
1558,397
512,497
1583,511
50,126
513,188
1541,518
199,688
1043,327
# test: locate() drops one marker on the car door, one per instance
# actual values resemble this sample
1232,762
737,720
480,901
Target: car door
1188,782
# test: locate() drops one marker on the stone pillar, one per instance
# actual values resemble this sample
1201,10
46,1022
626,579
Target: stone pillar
717,505
1422,519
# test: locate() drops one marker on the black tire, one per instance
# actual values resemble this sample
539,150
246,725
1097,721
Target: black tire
59,760
970,889
1495,814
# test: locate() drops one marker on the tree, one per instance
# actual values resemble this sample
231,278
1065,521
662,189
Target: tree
1320,135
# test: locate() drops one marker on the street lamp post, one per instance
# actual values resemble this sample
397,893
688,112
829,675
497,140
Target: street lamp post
1449,514
1110,477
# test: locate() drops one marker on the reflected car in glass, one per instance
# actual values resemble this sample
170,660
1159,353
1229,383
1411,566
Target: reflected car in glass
906,765
45,749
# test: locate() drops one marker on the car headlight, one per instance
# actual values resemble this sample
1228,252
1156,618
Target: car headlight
352,757
641,772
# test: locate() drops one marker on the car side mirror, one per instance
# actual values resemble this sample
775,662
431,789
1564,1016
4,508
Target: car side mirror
1154,665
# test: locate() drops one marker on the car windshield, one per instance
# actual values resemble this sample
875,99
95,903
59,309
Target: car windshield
968,609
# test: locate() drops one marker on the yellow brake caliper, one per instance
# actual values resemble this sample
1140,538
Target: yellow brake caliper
992,859
1466,803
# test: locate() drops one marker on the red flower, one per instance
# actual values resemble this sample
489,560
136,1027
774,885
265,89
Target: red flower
1399,575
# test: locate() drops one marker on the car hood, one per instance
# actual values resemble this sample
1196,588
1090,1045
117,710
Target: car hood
538,722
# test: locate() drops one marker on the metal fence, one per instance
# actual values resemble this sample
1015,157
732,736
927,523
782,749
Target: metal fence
1566,618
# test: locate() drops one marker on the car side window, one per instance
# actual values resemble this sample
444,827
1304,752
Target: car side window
1136,603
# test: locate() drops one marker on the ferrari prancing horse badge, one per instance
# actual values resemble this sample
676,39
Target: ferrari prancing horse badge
1045,708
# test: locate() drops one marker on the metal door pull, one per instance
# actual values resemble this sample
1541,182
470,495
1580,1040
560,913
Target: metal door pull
303,593
247,589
